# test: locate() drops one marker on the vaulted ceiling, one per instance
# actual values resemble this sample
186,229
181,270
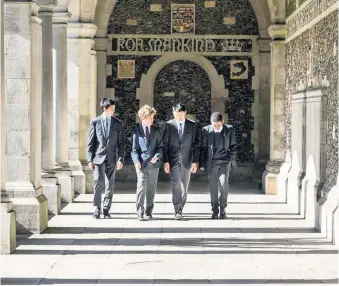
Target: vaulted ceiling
268,12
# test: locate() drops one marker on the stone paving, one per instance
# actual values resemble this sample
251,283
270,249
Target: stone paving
261,242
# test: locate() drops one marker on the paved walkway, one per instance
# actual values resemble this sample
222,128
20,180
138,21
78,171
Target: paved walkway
262,242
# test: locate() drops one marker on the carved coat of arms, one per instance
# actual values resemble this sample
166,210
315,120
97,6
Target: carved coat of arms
126,68
183,18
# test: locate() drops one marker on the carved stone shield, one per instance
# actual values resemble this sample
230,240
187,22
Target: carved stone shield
183,18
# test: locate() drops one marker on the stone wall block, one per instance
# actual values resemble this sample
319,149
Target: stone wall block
16,90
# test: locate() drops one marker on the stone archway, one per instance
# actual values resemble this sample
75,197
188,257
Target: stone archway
145,93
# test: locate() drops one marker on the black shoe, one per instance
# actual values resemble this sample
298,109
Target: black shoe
148,217
223,215
106,214
214,216
96,214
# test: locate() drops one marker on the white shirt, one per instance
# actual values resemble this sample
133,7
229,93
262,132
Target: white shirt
144,128
218,131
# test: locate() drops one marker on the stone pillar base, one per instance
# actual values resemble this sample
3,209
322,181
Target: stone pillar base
66,181
89,179
294,196
30,205
52,191
8,228
79,177
269,177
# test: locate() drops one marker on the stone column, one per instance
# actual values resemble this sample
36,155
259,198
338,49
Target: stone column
277,146
8,227
101,49
49,182
62,170
23,73
80,43
315,154
297,170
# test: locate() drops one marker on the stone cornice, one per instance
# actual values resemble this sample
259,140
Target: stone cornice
81,30
277,32
46,5
101,44
61,17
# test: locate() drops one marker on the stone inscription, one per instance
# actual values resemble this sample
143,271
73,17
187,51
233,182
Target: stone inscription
176,44
307,14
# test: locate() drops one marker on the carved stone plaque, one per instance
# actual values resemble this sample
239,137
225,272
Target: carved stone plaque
229,20
131,22
126,68
239,69
183,18
209,4
156,8
169,94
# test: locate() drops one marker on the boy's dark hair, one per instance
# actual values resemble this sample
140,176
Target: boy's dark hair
106,103
179,107
216,117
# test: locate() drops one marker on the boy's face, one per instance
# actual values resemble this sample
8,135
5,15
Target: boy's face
217,125
110,110
148,121
179,115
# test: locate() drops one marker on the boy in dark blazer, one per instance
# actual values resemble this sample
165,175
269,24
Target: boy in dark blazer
217,152
181,155
105,154
146,155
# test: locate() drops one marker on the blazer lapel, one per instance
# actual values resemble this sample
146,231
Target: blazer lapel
102,130
153,137
186,128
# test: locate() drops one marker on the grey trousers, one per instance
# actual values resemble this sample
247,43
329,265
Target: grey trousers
104,176
146,187
180,178
218,181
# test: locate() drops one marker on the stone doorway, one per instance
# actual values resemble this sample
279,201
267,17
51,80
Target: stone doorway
185,82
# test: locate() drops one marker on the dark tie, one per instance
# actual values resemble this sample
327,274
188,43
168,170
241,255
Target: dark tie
148,137
180,130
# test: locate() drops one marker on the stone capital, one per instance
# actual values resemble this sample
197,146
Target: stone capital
101,44
274,166
264,45
277,32
81,30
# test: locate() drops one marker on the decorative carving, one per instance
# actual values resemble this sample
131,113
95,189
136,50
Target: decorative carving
126,69
183,18
307,14
159,45
239,69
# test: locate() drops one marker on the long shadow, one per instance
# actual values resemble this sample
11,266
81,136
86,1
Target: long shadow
139,281
77,230
188,203
192,241
170,213
172,252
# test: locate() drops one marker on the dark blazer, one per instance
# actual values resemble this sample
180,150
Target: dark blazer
207,145
99,147
188,146
142,152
